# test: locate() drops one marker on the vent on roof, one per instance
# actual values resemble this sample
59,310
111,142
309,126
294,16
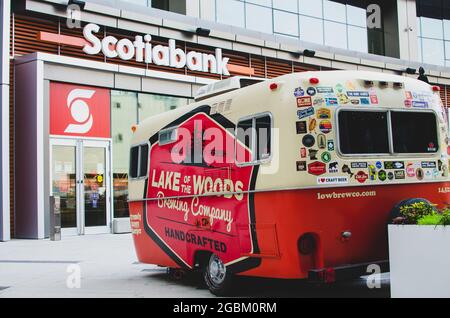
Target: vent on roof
225,86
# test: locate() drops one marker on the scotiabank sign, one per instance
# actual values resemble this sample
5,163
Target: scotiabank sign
80,111
142,50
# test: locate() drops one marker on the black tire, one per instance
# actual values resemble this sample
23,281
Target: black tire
216,276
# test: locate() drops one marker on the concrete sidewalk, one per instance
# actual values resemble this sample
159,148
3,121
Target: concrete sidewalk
108,268
107,264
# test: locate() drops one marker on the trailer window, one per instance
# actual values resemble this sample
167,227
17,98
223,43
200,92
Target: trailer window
138,162
255,134
134,162
363,132
414,132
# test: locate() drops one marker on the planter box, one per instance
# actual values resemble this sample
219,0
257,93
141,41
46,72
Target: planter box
419,261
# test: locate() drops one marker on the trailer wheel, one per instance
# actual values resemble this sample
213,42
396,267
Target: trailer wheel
216,276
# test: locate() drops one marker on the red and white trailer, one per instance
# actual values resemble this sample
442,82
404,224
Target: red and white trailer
292,178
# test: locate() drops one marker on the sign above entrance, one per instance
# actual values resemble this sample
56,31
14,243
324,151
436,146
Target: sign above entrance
79,111
142,50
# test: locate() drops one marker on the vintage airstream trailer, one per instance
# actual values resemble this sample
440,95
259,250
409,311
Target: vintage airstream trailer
290,178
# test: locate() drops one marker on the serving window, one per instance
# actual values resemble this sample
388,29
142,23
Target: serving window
387,132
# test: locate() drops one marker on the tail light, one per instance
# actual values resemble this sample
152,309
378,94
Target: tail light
328,276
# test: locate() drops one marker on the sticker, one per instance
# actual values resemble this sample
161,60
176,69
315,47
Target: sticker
399,174
312,125
331,101
309,141
339,88
419,104
431,147
323,113
311,91
313,154
374,99
325,126
321,141
301,127
419,174
299,92
379,165
301,166
343,99
410,170
303,152
359,165
326,157
354,101
99,178
428,175
408,103
372,173
350,85
429,164
361,177
382,175
318,102
357,94
346,169
304,101
305,113
333,167
408,95
325,90
391,175
330,145
317,168
365,101
332,180
393,165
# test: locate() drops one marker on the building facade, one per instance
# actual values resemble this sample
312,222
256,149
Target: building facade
77,75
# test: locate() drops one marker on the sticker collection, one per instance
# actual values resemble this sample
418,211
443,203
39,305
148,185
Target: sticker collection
314,125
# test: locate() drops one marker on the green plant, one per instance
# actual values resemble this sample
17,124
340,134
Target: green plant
432,219
412,213
445,220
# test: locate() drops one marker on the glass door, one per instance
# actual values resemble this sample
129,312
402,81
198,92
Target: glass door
81,180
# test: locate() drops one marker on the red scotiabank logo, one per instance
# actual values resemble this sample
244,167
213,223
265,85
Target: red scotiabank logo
203,207
79,111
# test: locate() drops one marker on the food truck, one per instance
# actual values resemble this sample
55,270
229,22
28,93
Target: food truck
289,178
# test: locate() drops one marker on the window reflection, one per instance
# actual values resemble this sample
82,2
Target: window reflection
127,109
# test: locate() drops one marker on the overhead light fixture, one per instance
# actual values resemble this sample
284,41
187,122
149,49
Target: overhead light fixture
79,3
203,31
309,53
306,52
410,71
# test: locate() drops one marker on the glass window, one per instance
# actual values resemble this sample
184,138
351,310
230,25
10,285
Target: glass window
419,50
311,29
123,116
432,28
287,5
334,11
362,132
446,30
150,104
230,12
310,8
259,18
357,39
143,163
285,23
134,162
255,135
356,16
433,51
414,132
335,34
267,3
263,130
